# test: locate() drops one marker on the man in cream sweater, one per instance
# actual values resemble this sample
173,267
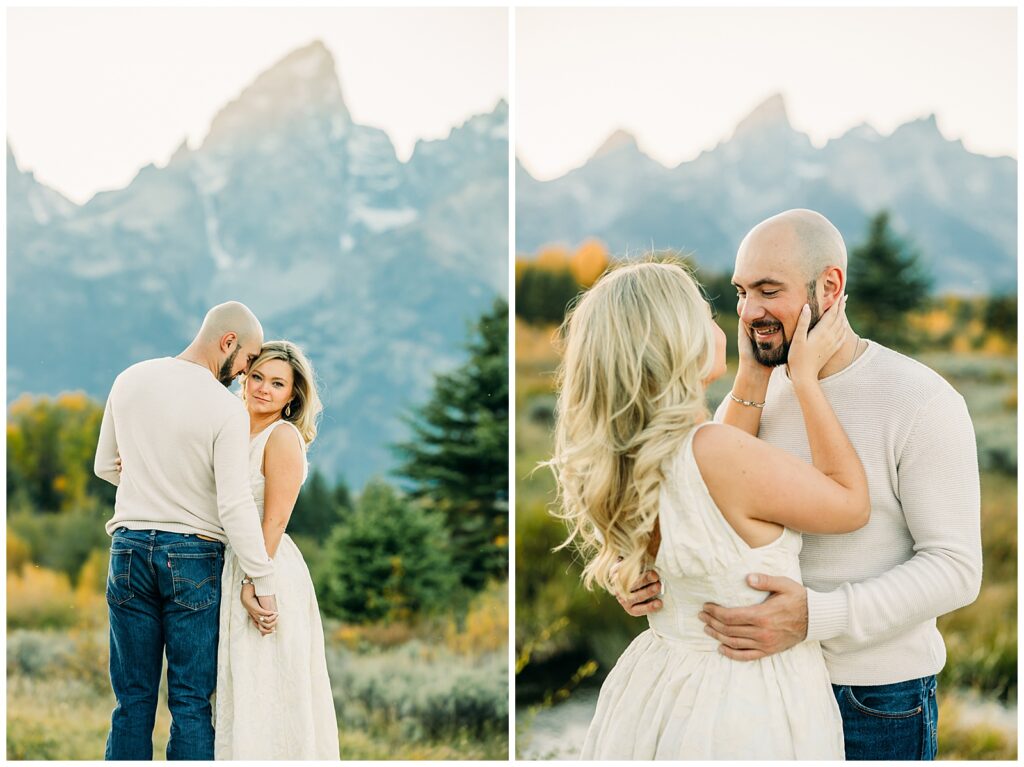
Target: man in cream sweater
871,596
175,441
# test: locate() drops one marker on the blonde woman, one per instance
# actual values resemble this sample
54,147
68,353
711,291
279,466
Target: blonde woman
646,481
274,697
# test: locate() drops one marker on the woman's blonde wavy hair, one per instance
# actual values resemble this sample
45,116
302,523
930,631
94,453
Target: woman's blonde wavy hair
637,349
305,405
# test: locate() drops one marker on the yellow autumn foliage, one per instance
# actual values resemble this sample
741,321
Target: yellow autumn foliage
589,262
18,552
553,258
485,628
522,264
40,598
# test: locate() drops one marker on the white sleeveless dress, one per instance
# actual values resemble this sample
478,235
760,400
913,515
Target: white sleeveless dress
672,695
274,698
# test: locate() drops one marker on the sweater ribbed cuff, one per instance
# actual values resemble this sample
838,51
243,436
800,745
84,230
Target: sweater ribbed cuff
827,614
265,586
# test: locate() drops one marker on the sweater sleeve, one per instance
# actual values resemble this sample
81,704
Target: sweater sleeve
940,495
106,448
238,514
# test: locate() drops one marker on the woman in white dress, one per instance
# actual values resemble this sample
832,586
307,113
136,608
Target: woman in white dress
274,697
645,480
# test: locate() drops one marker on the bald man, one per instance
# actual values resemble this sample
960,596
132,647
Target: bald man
871,596
175,442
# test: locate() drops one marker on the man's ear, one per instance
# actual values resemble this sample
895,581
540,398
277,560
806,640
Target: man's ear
833,281
228,341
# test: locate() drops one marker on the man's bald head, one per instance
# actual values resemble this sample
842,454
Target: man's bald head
804,238
230,317
794,258
229,339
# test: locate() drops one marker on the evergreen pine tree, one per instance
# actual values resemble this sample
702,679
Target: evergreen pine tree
457,461
886,282
319,508
542,295
386,561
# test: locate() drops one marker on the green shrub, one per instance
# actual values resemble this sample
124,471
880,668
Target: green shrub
40,598
18,553
38,653
427,692
51,443
62,541
79,656
961,740
389,560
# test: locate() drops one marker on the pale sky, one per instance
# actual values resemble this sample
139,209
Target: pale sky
680,79
93,95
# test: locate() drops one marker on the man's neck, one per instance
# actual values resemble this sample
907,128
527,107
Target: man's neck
843,358
197,358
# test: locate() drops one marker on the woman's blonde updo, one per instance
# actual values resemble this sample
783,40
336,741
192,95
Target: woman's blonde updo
304,408
637,349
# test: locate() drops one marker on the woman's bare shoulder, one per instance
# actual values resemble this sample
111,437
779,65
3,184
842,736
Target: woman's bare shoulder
714,439
285,441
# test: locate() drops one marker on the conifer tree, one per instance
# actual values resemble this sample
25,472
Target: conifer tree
886,282
457,461
387,561
319,508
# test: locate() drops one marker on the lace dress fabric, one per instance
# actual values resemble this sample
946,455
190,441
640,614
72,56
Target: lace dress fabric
671,694
274,697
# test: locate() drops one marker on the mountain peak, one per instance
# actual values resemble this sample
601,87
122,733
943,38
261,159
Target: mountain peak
928,122
301,84
180,153
770,113
620,139
863,131
310,60
926,127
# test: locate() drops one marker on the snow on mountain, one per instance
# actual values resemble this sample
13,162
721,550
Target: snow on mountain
958,208
376,267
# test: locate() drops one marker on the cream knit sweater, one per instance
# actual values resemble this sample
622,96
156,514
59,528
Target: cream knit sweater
183,439
873,594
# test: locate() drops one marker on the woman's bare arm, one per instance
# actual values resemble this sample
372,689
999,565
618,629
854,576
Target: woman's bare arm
769,484
751,385
283,466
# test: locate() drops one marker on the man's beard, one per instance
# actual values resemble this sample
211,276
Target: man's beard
225,376
770,356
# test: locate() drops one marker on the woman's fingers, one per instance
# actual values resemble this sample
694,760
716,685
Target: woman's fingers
263,628
802,325
804,321
839,324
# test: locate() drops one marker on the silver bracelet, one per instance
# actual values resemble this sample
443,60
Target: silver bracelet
247,581
746,402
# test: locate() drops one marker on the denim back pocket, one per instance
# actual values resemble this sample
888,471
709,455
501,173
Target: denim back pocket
195,578
892,701
119,586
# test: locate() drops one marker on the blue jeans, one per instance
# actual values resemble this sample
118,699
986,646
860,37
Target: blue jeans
890,721
163,594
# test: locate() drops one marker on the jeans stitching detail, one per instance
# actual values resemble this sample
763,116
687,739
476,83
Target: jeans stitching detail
201,583
875,712
126,576
192,602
